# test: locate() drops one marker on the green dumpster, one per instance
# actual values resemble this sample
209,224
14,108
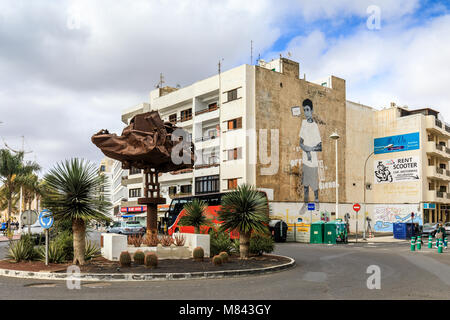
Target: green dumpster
330,232
317,230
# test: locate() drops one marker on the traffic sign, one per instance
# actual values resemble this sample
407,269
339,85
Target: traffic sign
311,206
46,219
356,207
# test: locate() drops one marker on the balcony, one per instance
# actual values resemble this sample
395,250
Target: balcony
437,150
184,174
437,127
437,173
207,114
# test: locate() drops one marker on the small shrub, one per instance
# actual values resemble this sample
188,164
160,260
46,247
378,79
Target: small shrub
224,256
21,249
198,254
151,260
139,257
166,240
125,259
180,240
259,244
55,253
92,250
220,241
151,240
64,240
217,260
135,240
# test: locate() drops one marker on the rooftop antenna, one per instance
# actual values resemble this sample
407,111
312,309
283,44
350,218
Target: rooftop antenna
161,81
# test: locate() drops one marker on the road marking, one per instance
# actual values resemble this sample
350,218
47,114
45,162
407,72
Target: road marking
441,270
335,256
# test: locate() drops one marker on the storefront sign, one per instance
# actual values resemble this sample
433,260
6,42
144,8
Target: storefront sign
404,142
133,209
397,170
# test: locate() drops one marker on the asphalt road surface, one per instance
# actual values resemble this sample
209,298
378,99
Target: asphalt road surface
321,272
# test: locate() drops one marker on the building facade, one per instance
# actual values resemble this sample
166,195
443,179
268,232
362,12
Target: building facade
264,125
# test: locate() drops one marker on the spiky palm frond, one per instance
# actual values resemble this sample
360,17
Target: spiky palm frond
75,190
244,210
194,214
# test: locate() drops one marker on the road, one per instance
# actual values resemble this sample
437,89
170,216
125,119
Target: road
321,272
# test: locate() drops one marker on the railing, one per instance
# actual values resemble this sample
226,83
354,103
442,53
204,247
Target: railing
447,150
440,171
186,118
203,166
438,123
447,172
439,194
206,110
447,128
439,147
206,138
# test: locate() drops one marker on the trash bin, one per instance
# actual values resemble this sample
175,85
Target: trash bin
341,232
303,233
317,230
278,228
403,230
330,232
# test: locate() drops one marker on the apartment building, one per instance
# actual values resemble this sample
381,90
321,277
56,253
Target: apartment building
266,126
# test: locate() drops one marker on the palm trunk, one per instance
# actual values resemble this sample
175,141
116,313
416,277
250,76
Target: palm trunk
197,230
9,212
244,243
79,241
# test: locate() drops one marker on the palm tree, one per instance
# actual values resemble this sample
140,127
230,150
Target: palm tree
13,171
244,210
194,215
73,192
31,189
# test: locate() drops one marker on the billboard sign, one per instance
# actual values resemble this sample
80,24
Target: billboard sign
397,170
404,142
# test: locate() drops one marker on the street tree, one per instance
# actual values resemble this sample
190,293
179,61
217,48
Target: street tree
75,191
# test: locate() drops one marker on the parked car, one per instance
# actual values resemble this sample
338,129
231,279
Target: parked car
429,228
126,228
447,228
36,231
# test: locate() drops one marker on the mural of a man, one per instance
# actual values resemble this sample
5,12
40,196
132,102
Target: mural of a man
311,144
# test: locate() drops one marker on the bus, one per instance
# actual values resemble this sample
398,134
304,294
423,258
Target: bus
213,200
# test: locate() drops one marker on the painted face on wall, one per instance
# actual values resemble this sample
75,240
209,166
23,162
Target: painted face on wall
308,112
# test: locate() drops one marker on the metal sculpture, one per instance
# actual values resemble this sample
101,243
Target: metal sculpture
154,146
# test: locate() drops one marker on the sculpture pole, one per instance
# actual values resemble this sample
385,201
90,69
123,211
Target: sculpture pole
151,199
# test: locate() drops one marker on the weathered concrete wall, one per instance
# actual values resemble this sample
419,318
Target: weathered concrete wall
275,94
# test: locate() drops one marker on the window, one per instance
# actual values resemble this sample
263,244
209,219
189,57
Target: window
173,118
232,184
207,184
235,124
186,189
235,154
134,193
232,95
172,190
134,171
186,115
102,168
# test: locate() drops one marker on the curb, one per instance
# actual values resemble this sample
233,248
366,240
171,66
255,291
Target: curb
145,276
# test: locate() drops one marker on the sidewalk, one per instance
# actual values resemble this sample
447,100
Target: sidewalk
378,238
4,239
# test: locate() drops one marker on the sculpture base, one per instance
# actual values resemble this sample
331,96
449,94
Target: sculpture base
152,213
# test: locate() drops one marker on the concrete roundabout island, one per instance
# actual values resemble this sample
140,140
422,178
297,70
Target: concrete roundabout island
71,273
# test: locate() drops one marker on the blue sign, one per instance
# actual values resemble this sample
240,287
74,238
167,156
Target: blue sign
429,205
311,206
46,219
404,142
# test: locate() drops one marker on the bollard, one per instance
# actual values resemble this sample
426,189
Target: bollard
413,244
430,241
440,246
419,242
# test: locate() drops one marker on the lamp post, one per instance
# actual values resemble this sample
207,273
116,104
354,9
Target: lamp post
365,205
335,136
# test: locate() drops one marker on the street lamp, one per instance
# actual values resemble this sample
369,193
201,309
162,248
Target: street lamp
335,136
365,206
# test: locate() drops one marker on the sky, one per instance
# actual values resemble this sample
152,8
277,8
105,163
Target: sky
69,68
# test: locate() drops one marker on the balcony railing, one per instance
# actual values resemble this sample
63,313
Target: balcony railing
439,147
447,172
440,171
206,110
438,123
204,166
439,194
205,138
